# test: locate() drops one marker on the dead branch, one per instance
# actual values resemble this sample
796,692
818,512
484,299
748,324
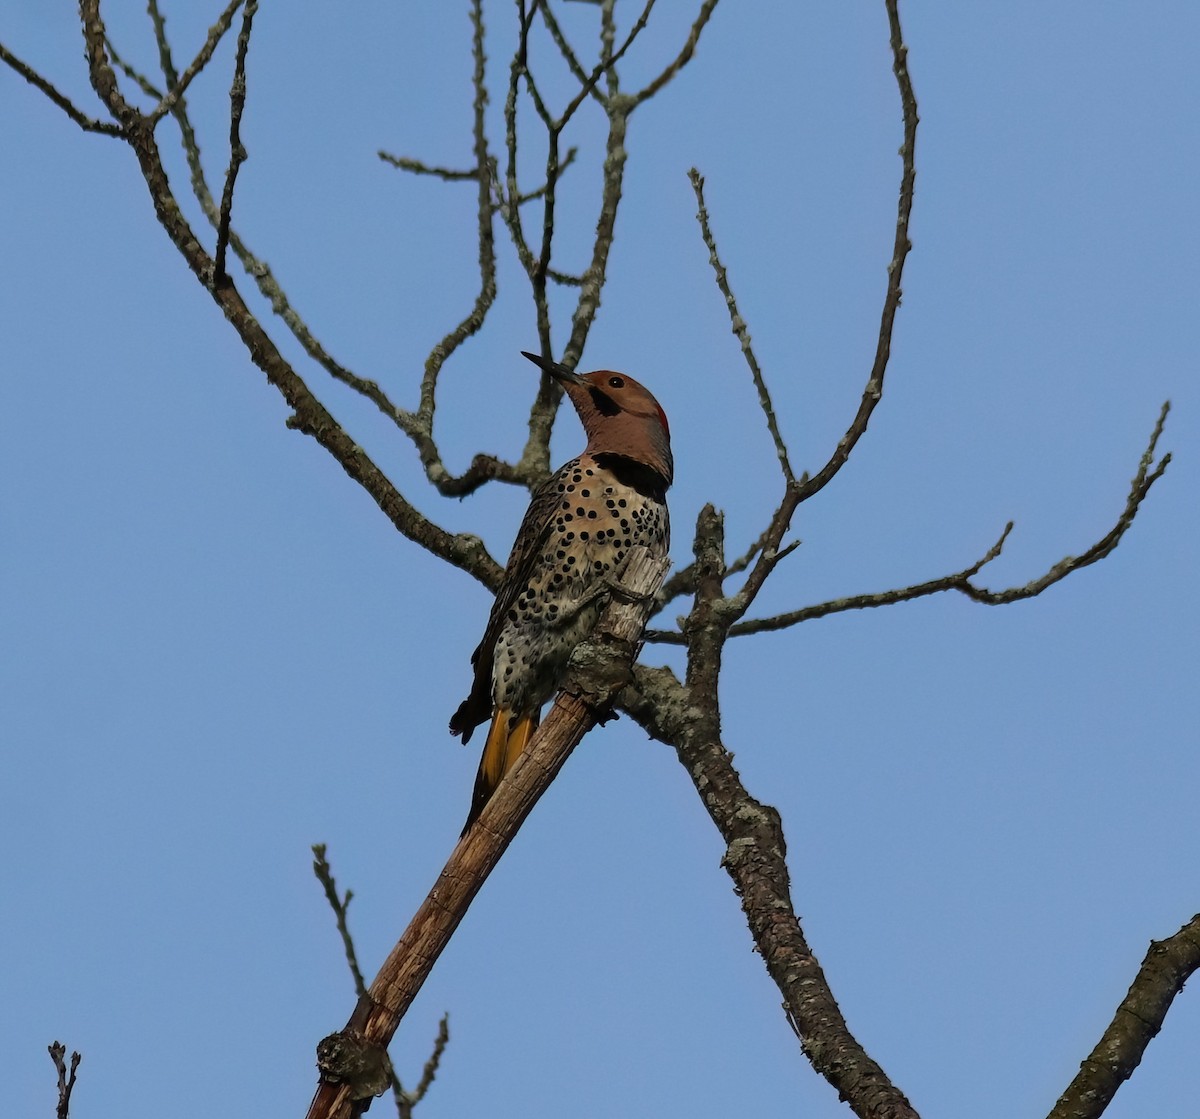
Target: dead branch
66,1079
353,1060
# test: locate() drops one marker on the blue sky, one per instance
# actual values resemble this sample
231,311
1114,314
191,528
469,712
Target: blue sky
218,652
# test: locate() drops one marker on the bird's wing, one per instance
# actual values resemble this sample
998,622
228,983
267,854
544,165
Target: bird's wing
531,539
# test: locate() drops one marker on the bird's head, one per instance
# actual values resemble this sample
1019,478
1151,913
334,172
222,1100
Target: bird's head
619,415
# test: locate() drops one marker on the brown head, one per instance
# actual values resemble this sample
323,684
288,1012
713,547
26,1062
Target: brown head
619,415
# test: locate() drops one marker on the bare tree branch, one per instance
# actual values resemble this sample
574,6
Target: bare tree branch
805,487
237,151
88,124
66,1080
960,581
447,174
684,56
739,328
606,65
405,1101
755,852
309,415
1139,488
471,323
178,87
1168,965
572,59
136,76
852,602
340,904
352,1059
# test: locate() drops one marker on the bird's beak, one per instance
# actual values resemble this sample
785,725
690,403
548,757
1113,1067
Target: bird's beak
559,372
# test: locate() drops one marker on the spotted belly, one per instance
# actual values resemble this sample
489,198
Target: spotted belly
595,524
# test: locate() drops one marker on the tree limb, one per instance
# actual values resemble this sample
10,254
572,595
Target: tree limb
177,88
309,415
599,670
755,852
1167,967
88,124
237,151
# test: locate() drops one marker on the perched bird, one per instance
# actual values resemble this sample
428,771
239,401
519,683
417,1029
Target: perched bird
578,529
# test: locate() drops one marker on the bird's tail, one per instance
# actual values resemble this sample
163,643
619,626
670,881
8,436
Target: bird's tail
505,741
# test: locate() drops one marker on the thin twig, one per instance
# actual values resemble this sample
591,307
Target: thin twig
738,325
1138,489
684,56
474,318
607,64
177,88
340,904
873,391
540,192
447,174
136,76
407,1101
88,124
237,150
567,52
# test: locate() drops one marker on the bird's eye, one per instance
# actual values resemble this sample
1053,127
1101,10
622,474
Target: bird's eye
616,382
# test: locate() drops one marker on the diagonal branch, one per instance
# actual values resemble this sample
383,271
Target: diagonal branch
177,88
414,425
599,669
740,329
309,415
1167,967
340,904
683,57
88,124
689,718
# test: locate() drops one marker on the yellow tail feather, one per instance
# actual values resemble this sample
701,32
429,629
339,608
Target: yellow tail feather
500,753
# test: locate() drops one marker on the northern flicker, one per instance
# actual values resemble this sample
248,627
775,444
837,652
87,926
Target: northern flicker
578,529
